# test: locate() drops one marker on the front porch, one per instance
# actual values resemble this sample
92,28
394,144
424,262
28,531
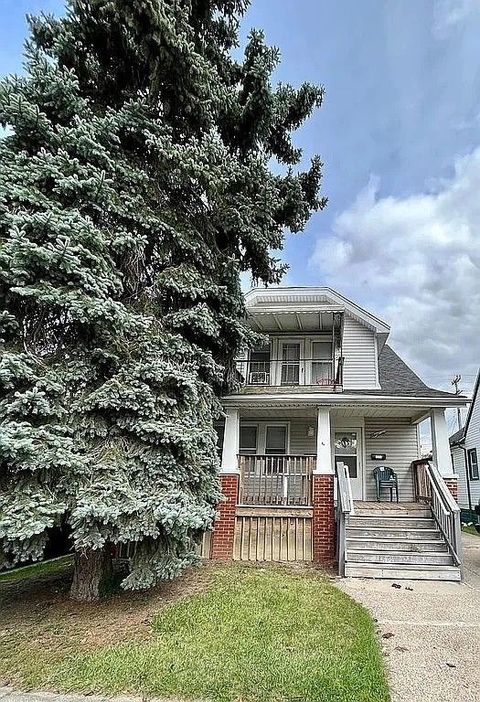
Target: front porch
285,499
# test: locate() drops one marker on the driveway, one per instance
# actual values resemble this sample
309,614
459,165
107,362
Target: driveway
430,632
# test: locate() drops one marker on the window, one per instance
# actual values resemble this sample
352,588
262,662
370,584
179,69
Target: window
346,450
259,372
276,440
290,363
322,363
248,439
473,464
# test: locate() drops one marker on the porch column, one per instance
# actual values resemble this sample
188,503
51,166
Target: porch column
223,536
441,449
323,523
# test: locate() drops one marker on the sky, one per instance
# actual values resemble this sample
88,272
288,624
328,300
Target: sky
399,134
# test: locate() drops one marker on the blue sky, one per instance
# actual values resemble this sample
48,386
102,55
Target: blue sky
399,133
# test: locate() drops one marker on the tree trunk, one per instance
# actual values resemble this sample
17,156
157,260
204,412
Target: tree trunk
92,574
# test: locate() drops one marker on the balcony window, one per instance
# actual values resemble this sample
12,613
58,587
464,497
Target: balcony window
322,363
259,367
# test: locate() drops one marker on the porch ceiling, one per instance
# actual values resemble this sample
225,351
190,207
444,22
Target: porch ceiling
283,413
271,319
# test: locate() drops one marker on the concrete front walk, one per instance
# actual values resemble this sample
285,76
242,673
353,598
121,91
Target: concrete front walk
430,632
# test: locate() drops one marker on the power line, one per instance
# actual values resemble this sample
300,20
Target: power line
456,381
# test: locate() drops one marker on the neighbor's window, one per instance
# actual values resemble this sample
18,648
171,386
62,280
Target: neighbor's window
248,440
473,464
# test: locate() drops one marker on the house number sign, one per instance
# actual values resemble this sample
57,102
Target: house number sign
378,456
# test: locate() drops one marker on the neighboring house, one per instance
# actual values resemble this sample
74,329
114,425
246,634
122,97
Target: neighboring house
465,447
321,404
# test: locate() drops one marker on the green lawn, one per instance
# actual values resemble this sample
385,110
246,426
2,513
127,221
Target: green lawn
244,634
54,567
470,529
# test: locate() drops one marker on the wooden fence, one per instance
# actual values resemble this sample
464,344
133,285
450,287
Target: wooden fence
272,536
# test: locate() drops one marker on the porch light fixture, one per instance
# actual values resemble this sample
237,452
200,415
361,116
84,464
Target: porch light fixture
377,434
311,432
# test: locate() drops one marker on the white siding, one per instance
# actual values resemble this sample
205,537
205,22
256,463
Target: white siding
458,458
300,442
400,443
359,351
472,440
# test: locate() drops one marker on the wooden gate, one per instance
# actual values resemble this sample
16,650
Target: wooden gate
273,534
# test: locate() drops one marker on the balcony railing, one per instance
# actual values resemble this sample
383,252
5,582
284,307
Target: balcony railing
276,480
307,371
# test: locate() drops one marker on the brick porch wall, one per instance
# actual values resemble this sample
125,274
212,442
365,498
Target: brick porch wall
224,531
323,527
452,484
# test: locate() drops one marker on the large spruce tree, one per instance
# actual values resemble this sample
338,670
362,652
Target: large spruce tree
135,187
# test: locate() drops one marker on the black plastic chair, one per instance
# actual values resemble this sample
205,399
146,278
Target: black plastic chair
385,477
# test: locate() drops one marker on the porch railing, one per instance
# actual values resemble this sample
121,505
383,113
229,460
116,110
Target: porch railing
276,480
431,489
345,507
328,373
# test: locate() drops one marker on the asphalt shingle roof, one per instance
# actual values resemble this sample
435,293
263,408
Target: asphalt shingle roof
396,378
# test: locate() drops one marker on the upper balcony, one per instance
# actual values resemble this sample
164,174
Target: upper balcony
315,339
322,371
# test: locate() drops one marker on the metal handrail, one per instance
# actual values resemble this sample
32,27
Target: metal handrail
430,488
259,372
345,507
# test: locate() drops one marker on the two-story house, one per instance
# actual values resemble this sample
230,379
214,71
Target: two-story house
320,405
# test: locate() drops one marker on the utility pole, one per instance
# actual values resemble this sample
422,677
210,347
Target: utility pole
455,381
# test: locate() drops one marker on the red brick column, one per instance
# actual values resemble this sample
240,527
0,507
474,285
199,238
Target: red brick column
452,484
224,530
323,527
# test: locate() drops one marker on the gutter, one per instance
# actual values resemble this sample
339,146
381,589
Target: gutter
339,399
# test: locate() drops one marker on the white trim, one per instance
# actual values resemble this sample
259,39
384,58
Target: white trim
356,425
377,371
332,399
324,464
231,440
440,443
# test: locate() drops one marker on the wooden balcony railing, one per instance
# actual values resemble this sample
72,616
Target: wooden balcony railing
276,480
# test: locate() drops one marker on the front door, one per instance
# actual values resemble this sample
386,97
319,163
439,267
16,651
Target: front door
347,450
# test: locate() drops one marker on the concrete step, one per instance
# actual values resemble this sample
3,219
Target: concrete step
393,533
397,521
437,545
396,557
402,572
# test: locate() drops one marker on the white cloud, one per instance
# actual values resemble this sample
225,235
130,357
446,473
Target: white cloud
451,13
416,261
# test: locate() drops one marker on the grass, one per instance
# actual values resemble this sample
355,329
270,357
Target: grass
46,569
470,529
246,634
